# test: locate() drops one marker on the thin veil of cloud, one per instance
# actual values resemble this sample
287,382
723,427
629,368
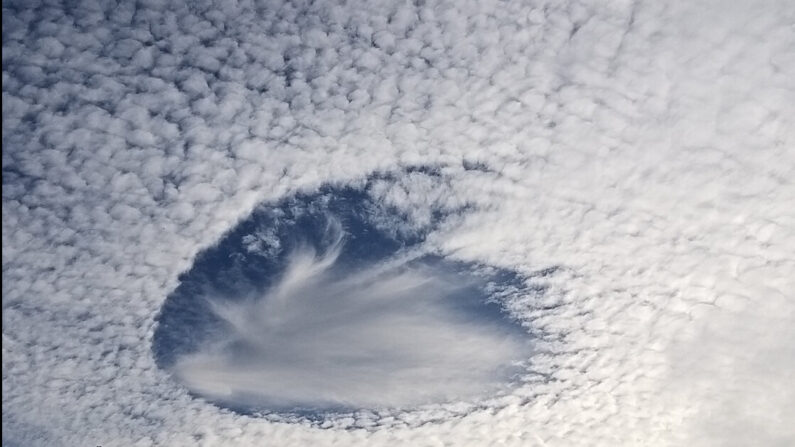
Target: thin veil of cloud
386,336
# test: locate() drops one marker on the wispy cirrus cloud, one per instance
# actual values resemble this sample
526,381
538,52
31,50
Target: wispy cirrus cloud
346,310
387,336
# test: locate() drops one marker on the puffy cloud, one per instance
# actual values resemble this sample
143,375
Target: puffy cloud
642,149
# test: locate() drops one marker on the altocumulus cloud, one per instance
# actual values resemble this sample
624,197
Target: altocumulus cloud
642,149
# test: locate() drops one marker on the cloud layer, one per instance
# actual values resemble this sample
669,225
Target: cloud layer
645,149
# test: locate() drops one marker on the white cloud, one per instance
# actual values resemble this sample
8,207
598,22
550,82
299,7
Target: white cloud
391,335
645,148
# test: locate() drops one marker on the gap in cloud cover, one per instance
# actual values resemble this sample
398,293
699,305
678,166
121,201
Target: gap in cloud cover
329,302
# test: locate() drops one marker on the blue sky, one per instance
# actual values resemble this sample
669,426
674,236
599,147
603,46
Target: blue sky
445,317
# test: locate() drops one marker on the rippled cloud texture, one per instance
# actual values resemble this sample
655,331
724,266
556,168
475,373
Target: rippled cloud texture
643,148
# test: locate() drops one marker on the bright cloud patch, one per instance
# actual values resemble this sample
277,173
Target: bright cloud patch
329,301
